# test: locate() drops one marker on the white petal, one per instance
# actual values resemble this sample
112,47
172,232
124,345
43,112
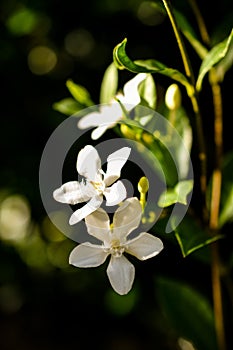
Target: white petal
87,255
144,246
98,132
89,163
121,274
86,210
71,192
130,90
89,120
115,162
115,194
107,115
98,224
127,217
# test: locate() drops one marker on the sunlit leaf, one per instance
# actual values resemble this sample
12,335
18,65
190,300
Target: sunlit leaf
80,93
226,207
147,92
68,106
191,236
178,194
109,84
122,61
188,312
214,56
181,147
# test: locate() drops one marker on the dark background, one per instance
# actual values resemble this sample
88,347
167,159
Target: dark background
44,303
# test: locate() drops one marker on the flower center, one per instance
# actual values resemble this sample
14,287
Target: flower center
98,186
116,249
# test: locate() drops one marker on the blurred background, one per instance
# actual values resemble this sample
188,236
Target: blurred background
44,302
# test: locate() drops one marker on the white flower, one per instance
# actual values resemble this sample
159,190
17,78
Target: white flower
96,183
110,114
114,237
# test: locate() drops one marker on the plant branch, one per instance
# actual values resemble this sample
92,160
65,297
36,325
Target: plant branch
214,211
216,188
200,22
195,105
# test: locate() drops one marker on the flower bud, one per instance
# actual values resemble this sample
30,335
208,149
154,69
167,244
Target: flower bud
173,97
143,185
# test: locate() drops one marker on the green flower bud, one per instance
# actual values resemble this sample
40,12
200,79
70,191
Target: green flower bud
143,185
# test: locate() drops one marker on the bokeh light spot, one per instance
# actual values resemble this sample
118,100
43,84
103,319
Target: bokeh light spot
41,60
149,13
79,43
14,218
23,21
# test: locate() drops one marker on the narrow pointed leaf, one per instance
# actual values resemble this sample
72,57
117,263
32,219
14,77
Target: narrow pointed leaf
80,93
190,34
217,53
109,84
68,106
122,61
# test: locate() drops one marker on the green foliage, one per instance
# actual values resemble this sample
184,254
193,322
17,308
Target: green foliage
188,312
147,92
190,34
178,194
122,61
191,236
68,106
217,53
80,93
109,84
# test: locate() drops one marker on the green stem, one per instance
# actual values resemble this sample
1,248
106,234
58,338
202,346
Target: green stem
195,105
214,210
200,22
216,188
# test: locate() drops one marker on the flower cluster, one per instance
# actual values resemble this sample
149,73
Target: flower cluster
97,186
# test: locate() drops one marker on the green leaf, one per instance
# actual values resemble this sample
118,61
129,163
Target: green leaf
159,151
80,93
147,92
214,56
178,194
188,312
191,236
226,204
181,147
122,61
68,106
109,84
225,64
190,34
